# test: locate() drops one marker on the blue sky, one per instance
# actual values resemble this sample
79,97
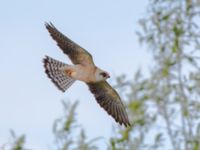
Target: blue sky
29,102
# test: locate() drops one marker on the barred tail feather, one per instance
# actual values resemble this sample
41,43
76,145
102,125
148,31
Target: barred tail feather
53,71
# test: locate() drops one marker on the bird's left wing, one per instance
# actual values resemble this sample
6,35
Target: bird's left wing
108,98
77,54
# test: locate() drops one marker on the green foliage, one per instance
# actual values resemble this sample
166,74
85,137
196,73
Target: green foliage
83,144
68,134
18,143
165,106
64,126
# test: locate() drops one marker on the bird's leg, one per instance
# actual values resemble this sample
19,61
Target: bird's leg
68,71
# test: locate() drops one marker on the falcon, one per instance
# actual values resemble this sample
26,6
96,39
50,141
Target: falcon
83,69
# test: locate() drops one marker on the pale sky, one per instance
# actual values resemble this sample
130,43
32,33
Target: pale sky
29,102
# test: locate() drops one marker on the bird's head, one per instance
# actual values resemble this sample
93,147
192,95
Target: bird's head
102,75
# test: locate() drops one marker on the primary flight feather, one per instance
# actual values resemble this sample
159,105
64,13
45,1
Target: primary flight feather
84,69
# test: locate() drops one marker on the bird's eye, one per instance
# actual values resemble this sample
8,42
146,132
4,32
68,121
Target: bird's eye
104,74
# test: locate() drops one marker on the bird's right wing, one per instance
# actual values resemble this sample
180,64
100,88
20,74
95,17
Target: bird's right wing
77,54
108,98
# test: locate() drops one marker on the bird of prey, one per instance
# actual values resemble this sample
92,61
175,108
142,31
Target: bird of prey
83,69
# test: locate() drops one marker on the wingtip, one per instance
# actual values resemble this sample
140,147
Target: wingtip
127,124
46,24
49,24
124,123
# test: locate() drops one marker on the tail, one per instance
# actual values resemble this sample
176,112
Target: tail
54,72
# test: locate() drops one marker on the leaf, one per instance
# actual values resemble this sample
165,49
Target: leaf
70,117
165,71
178,31
19,143
196,145
141,122
135,105
166,17
185,113
158,137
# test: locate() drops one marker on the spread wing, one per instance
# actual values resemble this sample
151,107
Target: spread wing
77,54
108,98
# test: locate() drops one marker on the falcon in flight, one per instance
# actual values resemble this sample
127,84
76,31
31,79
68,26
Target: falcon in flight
64,75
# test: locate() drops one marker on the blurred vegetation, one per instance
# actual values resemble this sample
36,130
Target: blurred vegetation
15,142
70,135
164,106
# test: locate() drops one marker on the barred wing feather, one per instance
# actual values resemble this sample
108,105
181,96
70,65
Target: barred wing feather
108,98
77,54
